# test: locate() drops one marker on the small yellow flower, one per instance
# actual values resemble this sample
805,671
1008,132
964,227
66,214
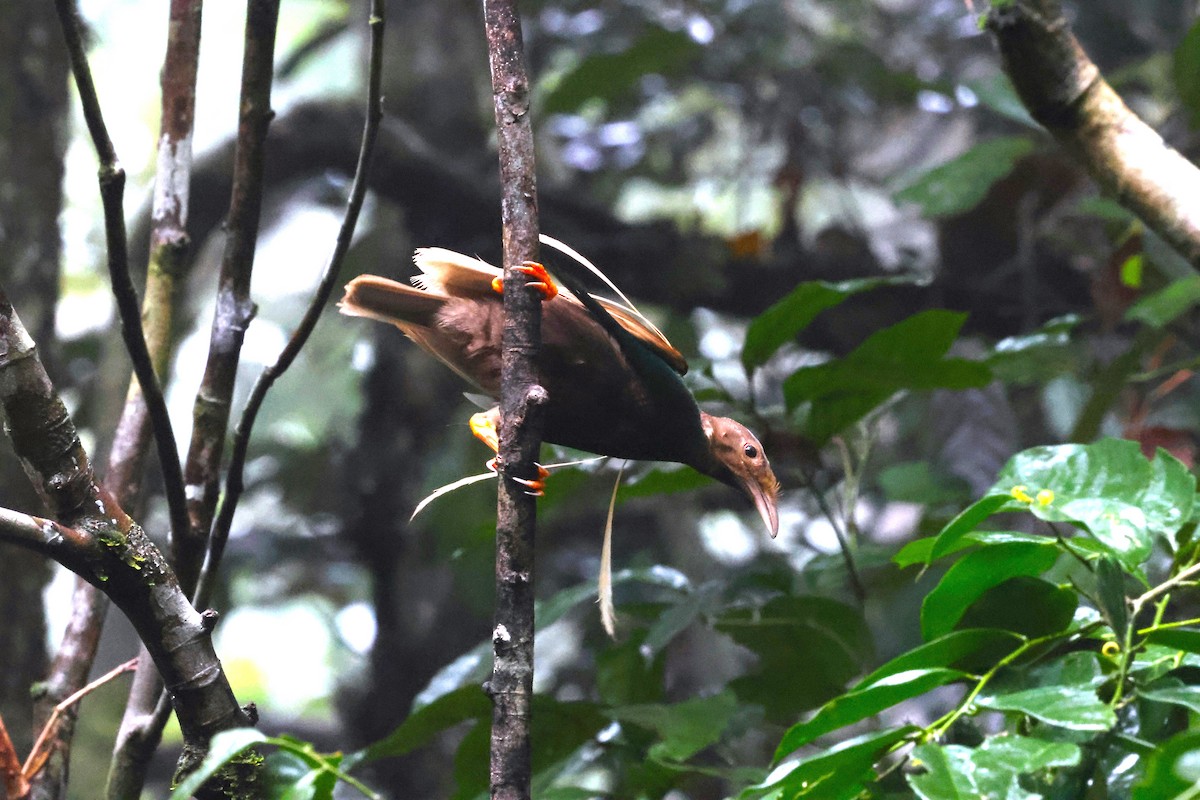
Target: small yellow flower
1045,497
1021,493
1110,649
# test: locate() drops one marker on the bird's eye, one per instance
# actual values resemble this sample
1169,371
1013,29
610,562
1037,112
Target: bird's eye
751,451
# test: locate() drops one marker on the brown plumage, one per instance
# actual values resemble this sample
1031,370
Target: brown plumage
613,383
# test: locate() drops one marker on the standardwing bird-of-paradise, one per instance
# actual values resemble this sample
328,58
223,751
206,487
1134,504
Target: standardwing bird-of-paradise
612,378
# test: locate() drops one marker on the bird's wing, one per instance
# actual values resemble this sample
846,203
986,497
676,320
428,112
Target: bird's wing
451,273
652,337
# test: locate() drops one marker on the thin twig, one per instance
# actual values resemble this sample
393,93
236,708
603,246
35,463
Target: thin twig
15,783
234,308
234,484
112,190
40,751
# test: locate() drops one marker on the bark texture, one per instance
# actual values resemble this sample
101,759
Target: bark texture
521,400
1064,91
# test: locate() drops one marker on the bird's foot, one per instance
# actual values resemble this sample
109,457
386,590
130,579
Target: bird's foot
535,487
542,282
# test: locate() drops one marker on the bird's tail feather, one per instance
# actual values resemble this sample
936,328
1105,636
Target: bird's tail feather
390,301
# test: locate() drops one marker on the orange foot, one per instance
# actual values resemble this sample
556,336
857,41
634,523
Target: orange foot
541,282
484,426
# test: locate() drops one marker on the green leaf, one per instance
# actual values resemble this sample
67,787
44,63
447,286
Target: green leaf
960,184
1028,606
966,522
1187,73
1023,755
989,771
907,355
684,729
1167,304
832,774
951,774
610,76
863,702
782,322
452,708
820,639
946,651
1038,356
1063,694
1173,770
224,746
1186,639
1174,692
974,574
1109,487
663,480
917,482
1110,594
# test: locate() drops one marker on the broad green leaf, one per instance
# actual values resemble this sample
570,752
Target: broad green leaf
1165,305
609,76
952,774
838,772
224,746
1173,770
1037,356
965,522
959,184
863,702
1109,487
1028,606
1062,694
1187,73
1174,692
782,322
448,710
947,651
1186,639
808,649
974,574
684,729
998,94
918,551
989,771
1023,755
907,355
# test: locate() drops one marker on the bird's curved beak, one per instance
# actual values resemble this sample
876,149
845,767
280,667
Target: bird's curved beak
764,491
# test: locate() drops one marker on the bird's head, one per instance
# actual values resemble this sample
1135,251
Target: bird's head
739,460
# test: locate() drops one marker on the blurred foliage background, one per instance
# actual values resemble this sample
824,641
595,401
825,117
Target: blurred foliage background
711,156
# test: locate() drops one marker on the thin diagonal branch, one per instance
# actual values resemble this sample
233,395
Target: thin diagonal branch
234,309
521,401
112,190
1064,91
234,484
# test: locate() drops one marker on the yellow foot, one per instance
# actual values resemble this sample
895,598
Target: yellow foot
541,282
485,425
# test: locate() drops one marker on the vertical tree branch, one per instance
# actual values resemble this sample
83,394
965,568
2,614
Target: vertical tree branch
235,309
1064,91
358,191
511,684
140,730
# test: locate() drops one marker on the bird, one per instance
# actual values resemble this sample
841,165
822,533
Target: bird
613,380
